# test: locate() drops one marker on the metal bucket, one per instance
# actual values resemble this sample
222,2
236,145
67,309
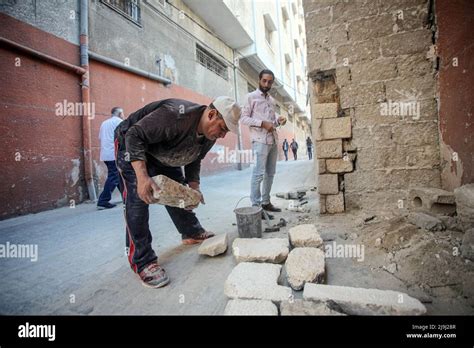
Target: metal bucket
249,221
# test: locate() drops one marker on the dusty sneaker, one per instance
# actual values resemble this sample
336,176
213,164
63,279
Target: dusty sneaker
197,238
153,276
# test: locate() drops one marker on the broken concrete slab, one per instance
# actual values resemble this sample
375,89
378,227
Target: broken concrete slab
426,221
465,205
250,307
257,281
361,301
305,265
274,250
433,200
174,194
305,235
214,246
302,307
467,246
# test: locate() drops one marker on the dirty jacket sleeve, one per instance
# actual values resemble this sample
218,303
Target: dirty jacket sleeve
151,129
192,171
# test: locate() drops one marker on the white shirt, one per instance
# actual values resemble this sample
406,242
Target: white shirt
106,137
258,108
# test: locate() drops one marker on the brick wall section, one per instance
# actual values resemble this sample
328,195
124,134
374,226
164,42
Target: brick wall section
381,54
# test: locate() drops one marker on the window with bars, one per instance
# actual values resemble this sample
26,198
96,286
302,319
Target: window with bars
130,9
210,62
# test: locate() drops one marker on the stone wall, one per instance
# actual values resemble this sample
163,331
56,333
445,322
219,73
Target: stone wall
376,61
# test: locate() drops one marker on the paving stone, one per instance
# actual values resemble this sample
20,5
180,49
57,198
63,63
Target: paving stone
360,301
250,307
174,194
302,307
426,221
214,246
305,235
329,149
325,110
333,128
328,184
274,250
257,281
305,265
335,203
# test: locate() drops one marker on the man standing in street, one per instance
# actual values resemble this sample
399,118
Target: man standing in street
294,148
285,148
158,139
259,114
309,146
106,137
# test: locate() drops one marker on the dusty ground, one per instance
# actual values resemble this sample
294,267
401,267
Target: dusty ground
82,267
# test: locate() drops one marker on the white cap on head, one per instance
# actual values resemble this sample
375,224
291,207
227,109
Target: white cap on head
230,111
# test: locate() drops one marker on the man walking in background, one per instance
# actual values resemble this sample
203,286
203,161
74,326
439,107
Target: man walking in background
106,137
285,148
294,148
309,146
259,114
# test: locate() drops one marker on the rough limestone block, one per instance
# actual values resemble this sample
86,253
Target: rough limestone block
174,194
321,166
432,199
301,307
256,281
335,203
214,246
333,128
426,221
360,301
328,184
274,250
305,265
250,307
325,110
467,246
465,206
329,149
305,235
340,165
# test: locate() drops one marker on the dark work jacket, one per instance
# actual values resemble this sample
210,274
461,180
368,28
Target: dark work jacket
167,131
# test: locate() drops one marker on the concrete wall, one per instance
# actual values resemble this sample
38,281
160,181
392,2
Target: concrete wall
455,20
379,52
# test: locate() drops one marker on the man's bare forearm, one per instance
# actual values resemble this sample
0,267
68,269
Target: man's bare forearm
140,169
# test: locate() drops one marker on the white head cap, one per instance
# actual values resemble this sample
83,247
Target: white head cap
229,110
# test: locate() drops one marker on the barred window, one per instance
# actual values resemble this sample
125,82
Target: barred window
130,9
210,62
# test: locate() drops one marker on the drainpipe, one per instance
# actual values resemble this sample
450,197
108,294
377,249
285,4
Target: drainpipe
85,94
239,131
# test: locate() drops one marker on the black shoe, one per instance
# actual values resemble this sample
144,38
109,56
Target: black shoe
271,207
105,206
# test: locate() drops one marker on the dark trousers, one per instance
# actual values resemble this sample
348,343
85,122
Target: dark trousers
286,154
295,154
112,182
310,152
138,235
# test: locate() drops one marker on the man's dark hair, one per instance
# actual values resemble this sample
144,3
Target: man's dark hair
266,71
116,110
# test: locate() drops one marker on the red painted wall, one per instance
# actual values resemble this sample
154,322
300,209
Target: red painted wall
455,20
